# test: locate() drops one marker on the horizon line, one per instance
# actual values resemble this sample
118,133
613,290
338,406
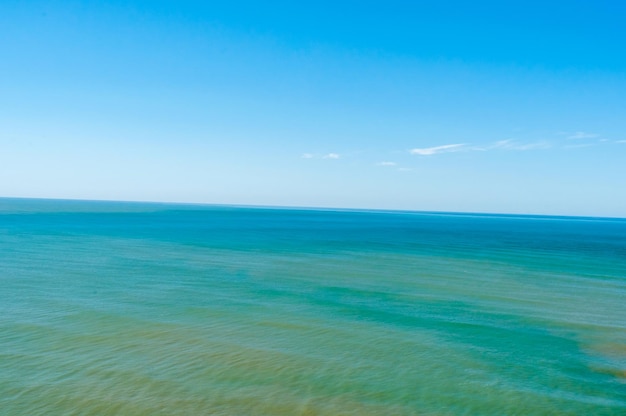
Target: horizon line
322,208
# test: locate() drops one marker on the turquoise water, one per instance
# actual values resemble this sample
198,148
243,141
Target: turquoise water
154,309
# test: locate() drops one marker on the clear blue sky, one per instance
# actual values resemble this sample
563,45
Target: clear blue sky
488,106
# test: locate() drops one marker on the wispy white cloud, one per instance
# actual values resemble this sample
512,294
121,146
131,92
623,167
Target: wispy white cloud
620,141
428,151
500,144
531,146
386,164
405,169
510,144
578,146
582,135
314,156
503,144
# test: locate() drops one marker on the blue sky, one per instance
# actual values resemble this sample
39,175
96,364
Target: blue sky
485,106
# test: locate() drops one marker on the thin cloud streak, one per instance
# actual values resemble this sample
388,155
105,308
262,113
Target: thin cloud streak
578,146
510,144
428,151
582,135
326,156
507,145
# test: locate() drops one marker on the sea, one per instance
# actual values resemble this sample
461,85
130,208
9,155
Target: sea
120,308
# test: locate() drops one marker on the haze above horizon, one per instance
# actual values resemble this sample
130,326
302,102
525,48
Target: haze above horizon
437,106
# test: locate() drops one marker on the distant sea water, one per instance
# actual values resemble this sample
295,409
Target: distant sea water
113,308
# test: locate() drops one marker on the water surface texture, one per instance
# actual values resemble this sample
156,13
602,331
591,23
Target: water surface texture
155,309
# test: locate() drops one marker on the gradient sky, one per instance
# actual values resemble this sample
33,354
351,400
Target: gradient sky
486,106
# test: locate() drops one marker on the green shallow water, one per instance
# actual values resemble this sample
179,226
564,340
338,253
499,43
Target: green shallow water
156,309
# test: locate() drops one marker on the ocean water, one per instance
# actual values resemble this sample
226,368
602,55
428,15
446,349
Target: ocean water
154,309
